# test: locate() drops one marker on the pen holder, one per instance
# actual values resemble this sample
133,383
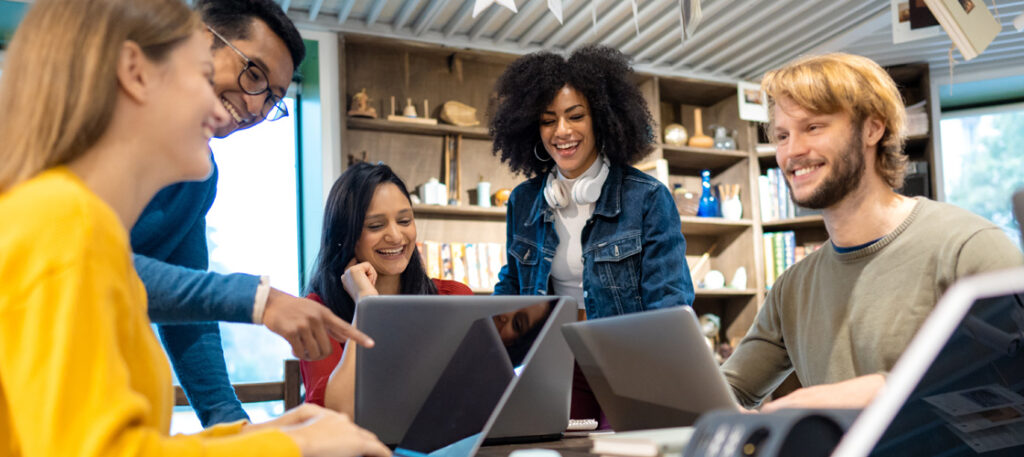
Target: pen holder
732,208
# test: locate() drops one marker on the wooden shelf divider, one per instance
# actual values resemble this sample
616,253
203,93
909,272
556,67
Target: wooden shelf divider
424,210
361,123
700,158
724,293
795,223
693,225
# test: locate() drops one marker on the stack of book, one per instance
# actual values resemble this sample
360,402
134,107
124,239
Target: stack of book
781,252
775,201
661,442
473,264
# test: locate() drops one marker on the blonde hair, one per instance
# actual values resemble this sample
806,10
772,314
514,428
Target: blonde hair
59,86
855,85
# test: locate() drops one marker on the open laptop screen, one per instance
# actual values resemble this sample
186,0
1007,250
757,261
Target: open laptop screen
465,400
970,400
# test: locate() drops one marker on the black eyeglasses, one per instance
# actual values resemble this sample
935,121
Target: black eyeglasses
253,81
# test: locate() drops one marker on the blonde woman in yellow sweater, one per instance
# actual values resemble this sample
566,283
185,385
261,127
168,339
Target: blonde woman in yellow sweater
106,102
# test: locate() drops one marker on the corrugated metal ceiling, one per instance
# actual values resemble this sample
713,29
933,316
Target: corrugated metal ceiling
737,39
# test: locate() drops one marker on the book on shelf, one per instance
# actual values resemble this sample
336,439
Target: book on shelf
776,203
969,24
473,264
769,263
447,271
459,272
472,267
643,443
431,254
496,260
781,251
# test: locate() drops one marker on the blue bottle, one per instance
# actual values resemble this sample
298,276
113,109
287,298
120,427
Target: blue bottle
709,206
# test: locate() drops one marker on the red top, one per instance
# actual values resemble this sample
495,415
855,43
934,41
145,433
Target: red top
315,374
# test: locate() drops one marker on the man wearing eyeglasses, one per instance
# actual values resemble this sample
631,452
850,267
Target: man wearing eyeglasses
256,48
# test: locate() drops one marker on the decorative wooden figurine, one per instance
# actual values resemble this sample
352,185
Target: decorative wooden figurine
409,114
361,106
699,139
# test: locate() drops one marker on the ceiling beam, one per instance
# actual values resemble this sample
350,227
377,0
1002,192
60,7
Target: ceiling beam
789,35
708,28
661,43
459,16
791,17
344,10
524,12
314,9
546,20
404,13
427,17
744,26
782,54
481,24
375,11
627,26
611,16
865,28
573,24
664,19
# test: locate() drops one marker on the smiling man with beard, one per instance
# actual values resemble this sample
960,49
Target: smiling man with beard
256,48
841,317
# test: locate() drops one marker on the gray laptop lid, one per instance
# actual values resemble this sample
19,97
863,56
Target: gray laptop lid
649,370
958,389
417,337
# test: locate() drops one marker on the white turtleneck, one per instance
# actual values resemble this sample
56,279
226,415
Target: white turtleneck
567,264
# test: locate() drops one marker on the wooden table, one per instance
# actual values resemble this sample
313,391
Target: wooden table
568,447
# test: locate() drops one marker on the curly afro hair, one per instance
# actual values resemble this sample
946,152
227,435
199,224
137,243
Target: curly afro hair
621,120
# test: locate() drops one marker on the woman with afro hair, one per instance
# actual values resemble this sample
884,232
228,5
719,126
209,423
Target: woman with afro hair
586,224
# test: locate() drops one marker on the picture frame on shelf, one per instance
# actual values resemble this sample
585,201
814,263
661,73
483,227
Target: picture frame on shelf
753,102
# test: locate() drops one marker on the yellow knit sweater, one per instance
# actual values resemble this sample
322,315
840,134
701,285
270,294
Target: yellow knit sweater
81,372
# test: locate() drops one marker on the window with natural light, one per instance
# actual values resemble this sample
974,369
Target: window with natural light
253,228
983,162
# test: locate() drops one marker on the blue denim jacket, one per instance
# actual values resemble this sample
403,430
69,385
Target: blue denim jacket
633,246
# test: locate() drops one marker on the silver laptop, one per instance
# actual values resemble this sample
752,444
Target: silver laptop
651,369
958,389
440,369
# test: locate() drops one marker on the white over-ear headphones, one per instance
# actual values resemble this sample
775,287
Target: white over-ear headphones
586,189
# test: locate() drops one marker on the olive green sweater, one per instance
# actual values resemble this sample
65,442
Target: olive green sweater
833,317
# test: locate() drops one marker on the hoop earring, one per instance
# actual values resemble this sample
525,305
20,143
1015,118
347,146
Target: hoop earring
538,155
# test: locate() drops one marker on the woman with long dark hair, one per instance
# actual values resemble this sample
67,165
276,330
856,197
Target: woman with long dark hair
368,247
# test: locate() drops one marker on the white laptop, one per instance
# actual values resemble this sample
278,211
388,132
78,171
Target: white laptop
958,389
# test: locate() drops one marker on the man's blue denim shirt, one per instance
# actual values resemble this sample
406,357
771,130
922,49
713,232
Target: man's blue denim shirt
633,246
